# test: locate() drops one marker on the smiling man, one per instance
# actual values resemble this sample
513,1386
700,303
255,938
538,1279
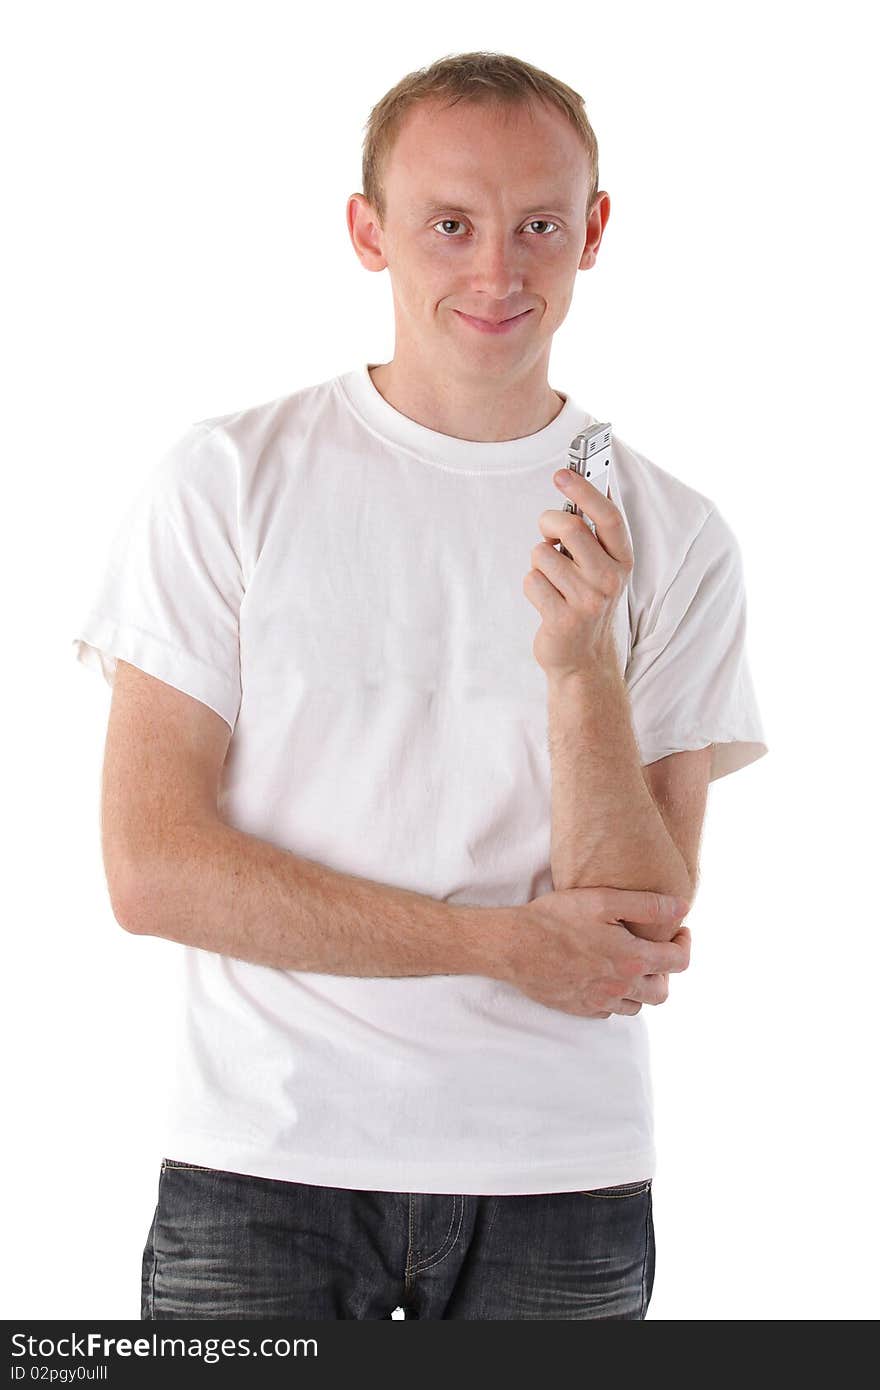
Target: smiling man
419,794
482,222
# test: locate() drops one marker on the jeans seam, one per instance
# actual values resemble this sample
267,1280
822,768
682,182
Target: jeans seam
152,1298
440,1253
606,1195
408,1274
644,1308
151,1295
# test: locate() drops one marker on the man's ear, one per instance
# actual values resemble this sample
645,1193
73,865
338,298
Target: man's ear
596,224
365,232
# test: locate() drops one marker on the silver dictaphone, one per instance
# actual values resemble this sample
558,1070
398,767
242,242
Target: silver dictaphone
589,454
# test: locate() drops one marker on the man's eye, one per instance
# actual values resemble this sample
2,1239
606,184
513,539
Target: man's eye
454,222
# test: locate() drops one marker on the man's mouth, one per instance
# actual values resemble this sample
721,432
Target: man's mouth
499,326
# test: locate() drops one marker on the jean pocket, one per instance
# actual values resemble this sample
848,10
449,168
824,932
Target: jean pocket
624,1189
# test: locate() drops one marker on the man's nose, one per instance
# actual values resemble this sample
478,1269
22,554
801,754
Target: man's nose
496,268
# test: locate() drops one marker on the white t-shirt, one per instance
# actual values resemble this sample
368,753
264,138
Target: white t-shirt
344,586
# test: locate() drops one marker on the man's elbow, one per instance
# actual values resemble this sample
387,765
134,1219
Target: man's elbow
126,918
124,897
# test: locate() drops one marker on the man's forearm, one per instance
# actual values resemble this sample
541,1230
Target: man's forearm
223,890
605,827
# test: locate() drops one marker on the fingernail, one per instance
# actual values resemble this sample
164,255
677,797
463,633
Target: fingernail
562,479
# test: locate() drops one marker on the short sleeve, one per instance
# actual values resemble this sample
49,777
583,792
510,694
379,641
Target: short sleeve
688,677
171,591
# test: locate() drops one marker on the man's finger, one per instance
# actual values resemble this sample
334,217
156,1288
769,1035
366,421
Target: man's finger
650,989
662,956
628,1007
635,905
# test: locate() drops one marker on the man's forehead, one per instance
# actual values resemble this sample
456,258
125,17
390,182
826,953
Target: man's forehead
461,172
468,188
433,200
461,135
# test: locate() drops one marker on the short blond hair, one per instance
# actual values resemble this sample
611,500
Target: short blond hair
478,77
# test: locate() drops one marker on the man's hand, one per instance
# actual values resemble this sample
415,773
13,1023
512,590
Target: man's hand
595,952
577,597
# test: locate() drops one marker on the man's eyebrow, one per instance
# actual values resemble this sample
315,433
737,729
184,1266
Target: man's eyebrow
427,208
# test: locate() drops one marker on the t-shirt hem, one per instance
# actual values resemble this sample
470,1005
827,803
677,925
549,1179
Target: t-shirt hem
730,751
477,1179
102,640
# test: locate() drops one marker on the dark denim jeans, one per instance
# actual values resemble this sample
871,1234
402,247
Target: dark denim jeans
227,1245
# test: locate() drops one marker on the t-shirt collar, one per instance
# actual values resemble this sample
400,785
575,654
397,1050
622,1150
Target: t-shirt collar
544,447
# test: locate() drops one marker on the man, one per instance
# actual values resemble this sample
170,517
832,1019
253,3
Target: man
417,794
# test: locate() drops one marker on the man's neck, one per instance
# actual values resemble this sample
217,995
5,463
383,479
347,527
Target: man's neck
466,411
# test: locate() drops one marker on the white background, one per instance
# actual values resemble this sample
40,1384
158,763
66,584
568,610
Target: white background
175,247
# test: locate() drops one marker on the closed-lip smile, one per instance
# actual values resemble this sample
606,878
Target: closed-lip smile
493,325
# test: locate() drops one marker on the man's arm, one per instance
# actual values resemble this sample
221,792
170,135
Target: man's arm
679,784
223,890
606,829
176,870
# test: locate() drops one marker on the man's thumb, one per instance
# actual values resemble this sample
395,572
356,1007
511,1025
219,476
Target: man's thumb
676,907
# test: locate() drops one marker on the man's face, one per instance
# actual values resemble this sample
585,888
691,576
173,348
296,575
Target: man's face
485,218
